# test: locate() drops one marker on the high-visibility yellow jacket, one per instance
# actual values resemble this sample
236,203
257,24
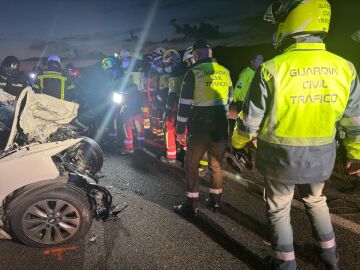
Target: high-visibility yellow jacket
206,92
243,83
294,104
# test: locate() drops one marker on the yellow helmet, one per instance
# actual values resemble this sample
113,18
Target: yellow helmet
171,56
299,17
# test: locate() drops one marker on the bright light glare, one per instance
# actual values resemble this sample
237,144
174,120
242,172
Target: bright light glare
32,75
117,98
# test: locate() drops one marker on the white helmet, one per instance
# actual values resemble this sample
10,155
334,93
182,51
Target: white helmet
160,51
188,55
54,58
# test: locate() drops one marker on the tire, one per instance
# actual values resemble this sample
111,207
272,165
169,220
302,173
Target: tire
50,216
89,156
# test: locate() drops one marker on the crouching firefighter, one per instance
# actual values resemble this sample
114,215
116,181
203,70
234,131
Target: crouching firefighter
203,107
293,104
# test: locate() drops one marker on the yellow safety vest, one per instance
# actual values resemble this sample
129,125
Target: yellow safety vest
138,78
309,96
295,105
175,83
164,81
242,86
212,84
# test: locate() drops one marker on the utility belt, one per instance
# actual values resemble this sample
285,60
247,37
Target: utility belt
212,121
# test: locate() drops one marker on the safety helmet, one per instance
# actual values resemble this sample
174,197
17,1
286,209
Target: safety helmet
188,56
107,63
356,36
10,64
299,17
54,58
160,51
171,59
188,53
54,61
171,56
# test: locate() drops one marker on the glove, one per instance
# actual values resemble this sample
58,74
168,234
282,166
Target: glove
181,138
353,168
243,155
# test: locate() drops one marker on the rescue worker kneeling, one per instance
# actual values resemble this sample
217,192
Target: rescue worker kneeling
296,127
203,106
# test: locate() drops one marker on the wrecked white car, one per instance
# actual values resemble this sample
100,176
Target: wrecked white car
48,192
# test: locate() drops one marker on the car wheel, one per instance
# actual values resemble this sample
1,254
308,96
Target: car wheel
51,216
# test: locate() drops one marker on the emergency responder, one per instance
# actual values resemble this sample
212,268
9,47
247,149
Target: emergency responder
147,96
54,81
245,78
12,80
176,71
131,113
73,73
293,104
162,93
158,85
203,106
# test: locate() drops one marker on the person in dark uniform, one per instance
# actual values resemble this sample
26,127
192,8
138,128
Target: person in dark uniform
12,80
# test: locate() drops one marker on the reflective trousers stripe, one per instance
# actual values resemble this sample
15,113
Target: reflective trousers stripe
182,119
204,163
185,101
192,194
327,244
285,256
215,191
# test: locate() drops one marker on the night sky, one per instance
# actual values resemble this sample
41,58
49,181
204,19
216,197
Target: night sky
80,29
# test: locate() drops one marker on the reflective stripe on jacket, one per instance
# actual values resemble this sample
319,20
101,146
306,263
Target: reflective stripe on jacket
295,102
54,83
205,93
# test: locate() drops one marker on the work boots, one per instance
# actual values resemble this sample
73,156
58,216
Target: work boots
332,266
213,202
126,151
187,209
167,160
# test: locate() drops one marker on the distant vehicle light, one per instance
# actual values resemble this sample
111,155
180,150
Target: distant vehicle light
116,55
117,98
32,75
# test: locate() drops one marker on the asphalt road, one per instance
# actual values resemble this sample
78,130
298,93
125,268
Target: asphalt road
148,235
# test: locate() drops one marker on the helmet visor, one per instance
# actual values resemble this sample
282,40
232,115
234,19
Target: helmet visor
278,11
271,13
